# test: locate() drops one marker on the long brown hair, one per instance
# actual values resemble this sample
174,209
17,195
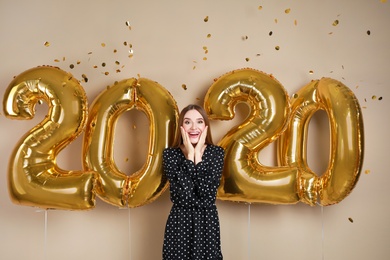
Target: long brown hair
178,139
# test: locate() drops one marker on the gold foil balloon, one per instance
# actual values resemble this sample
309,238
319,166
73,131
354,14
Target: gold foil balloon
244,177
347,137
34,177
145,185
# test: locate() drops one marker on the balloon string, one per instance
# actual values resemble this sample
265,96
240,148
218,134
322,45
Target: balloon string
249,231
322,230
45,238
129,232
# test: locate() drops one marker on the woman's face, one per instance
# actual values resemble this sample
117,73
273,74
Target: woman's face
193,124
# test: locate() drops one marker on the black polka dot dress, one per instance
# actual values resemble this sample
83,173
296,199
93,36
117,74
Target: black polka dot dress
192,230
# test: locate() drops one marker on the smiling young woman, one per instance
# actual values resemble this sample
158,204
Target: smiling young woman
193,166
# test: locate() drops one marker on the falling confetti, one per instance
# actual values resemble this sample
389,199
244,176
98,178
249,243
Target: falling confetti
368,32
311,72
277,48
46,44
84,78
295,22
260,7
287,11
184,86
247,59
244,38
270,33
128,25
367,171
350,220
103,44
335,23
206,19
380,98
373,97
71,66
208,35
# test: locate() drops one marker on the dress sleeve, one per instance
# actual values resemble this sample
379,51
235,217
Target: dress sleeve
179,174
209,172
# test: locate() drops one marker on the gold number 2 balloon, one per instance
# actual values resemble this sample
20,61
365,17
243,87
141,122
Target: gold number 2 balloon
34,177
244,177
145,185
347,137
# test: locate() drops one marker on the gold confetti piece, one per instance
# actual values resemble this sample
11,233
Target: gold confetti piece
270,33
206,19
63,58
367,171
126,159
350,220
115,51
373,97
184,86
380,98
71,66
125,43
383,1
287,11
277,48
208,35
118,71
47,44
95,67
204,58
295,22
78,62
106,73
368,32
56,60
260,7
194,67
204,47
89,53
244,38
103,45
128,25
117,62
276,20
335,23
103,64
247,59
311,72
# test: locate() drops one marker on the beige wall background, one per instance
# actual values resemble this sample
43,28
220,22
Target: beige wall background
168,40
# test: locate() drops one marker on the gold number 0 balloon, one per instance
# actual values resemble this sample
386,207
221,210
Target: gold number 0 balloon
347,138
34,177
148,183
244,178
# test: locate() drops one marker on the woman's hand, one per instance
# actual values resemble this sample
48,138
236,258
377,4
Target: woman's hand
188,149
200,146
